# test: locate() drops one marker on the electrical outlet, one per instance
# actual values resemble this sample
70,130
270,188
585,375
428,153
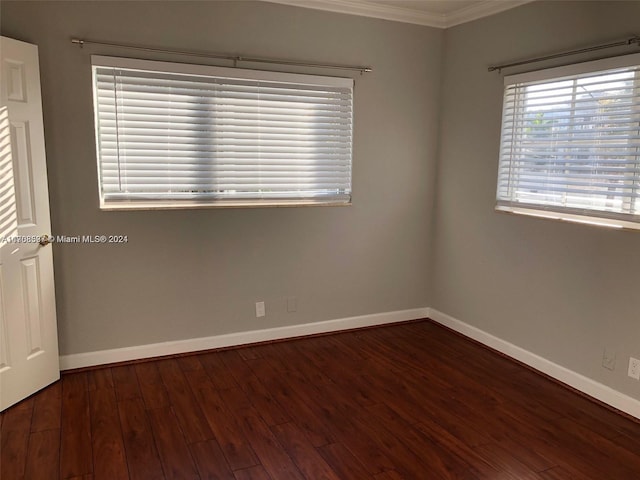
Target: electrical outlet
292,304
260,310
634,368
609,359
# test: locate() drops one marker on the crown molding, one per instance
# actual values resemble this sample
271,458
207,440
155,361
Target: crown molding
366,9
406,15
479,10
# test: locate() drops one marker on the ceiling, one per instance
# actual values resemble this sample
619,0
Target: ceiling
432,13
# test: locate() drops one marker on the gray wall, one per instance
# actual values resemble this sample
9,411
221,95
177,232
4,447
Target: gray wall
563,291
195,273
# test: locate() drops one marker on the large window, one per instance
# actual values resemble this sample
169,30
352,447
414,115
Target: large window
176,135
570,146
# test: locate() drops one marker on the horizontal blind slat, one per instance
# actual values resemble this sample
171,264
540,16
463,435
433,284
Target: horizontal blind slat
166,135
573,142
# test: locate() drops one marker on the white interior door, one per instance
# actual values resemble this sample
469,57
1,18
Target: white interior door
28,334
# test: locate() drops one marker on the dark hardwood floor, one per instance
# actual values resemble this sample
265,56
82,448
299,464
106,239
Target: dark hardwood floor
408,401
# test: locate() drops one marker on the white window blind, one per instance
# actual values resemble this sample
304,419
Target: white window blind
182,135
570,145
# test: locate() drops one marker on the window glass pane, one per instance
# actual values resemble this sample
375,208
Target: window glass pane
572,144
169,138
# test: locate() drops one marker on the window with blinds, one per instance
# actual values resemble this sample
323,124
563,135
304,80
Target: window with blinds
176,135
570,146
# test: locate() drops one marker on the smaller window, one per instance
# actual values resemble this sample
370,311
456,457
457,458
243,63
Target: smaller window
174,135
570,146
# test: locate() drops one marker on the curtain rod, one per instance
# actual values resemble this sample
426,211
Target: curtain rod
629,41
235,58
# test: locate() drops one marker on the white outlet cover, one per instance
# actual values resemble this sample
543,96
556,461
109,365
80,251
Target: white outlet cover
260,310
634,368
292,304
609,359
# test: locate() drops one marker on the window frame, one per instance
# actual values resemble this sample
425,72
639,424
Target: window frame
219,73
591,216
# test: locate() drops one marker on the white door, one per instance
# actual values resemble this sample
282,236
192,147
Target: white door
28,334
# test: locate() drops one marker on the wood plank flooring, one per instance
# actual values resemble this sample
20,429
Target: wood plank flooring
407,401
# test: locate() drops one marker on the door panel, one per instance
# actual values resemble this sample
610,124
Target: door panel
28,333
22,172
4,345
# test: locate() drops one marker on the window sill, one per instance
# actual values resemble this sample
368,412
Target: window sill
138,205
611,223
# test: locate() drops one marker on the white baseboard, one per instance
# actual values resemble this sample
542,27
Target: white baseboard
584,384
102,357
